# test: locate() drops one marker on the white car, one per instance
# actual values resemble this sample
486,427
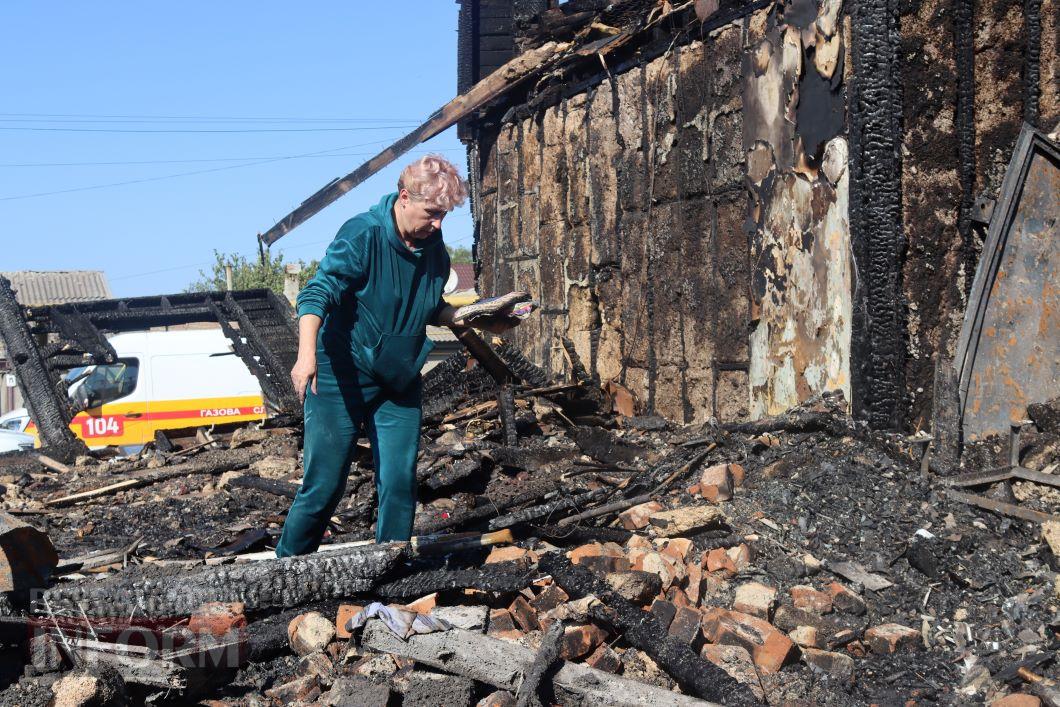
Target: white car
15,421
11,441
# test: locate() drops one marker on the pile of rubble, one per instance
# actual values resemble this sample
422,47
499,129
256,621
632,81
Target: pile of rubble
566,552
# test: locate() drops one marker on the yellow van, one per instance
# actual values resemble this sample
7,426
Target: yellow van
163,380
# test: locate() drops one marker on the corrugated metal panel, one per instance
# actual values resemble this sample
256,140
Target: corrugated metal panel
36,288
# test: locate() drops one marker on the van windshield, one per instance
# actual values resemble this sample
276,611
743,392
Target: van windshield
108,383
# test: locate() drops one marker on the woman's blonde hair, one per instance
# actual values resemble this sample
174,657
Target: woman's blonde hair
434,179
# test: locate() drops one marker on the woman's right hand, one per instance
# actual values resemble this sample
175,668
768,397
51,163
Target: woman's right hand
304,375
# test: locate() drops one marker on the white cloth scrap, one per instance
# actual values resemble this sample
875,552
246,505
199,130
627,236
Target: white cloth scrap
401,623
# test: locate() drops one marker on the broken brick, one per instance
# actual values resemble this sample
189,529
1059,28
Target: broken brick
891,638
636,518
770,649
305,689
423,605
639,542
309,632
835,664
656,564
218,618
664,611
846,600
716,483
755,598
676,549
1017,699
605,564
508,553
805,636
809,599
693,587
636,586
718,560
499,698
502,624
604,658
685,626
524,615
737,662
342,617
549,599
687,520
580,641
740,556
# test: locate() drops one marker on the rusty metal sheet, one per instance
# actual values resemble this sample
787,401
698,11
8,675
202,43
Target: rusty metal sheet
1009,351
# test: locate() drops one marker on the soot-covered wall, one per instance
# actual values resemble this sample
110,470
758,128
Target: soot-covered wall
622,209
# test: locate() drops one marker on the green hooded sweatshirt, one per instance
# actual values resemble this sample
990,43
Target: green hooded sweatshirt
376,297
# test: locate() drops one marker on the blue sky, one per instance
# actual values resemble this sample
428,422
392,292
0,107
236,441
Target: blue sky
266,101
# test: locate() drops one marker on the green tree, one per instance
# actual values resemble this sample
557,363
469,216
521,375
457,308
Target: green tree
459,255
249,273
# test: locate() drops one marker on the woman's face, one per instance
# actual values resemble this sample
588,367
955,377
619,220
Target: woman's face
421,218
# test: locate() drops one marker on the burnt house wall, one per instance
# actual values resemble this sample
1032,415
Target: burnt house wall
622,209
783,206
971,73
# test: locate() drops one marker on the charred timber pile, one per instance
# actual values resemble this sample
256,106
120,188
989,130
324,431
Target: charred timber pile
600,559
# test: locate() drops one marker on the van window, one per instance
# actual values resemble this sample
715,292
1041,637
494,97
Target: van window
12,424
109,382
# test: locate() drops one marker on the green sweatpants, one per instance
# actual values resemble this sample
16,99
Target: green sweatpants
334,417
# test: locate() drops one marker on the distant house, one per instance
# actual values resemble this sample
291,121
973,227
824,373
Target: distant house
460,289
37,288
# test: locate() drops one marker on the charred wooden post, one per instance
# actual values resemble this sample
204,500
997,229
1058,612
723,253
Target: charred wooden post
49,408
282,582
546,657
642,630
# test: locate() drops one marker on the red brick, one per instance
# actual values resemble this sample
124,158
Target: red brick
676,548
508,553
693,587
304,689
604,658
656,564
636,518
805,637
738,473
737,662
846,600
716,483
1017,699
423,605
549,599
502,624
891,638
857,649
218,618
342,616
677,597
685,626
835,664
686,520
664,611
580,641
639,542
755,598
740,557
635,585
807,598
719,561
769,648
524,615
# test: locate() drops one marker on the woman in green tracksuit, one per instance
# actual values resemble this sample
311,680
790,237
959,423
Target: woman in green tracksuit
362,342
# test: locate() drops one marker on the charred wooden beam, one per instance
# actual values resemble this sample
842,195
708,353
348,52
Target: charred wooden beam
49,409
490,88
546,510
273,486
282,582
496,577
546,657
503,664
642,630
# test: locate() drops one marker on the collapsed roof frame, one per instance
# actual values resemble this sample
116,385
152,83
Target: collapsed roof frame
45,341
